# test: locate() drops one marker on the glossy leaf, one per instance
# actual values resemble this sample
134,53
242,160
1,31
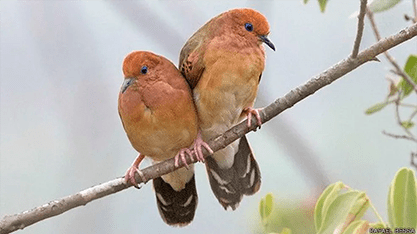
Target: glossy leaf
382,5
265,206
377,225
402,200
324,201
338,211
407,124
390,207
357,227
375,108
269,205
322,4
286,231
356,211
361,206
393,89
261,209
411,69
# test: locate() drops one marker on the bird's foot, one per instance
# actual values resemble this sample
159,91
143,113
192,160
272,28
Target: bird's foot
130,173
198,148
181,156
250,111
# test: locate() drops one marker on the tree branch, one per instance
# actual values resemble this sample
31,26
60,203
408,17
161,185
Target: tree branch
411,138
412,18
359,32
11,223
387,55
413,163
415,10
398,117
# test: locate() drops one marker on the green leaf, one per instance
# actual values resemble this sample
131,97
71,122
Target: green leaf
356,211
265,207
286,231
411,66
357,227
402,200
390,207
322,204
338,211
407,124
377,225
393,89
411,69
375,108
269,205
322,4
262,209
360,207
305,1
382,5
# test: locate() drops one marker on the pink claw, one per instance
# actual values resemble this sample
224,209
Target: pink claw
198,148
130,173
255,112
181,155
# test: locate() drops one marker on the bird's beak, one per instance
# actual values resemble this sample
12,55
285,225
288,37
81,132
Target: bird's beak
126,83
265,39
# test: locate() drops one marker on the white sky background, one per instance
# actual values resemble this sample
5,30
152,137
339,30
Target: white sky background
60,68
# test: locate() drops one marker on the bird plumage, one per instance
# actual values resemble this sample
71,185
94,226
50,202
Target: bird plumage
223,62
159,117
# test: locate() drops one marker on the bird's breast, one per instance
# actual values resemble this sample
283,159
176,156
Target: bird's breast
159,120
228,85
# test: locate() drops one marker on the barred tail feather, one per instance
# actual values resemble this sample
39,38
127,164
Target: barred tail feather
242,178
177,208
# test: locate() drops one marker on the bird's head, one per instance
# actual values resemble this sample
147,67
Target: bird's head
140,66
251,24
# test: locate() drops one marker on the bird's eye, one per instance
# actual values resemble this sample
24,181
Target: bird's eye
249,27
144,70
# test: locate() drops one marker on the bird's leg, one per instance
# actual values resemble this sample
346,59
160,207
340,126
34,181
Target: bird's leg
198,147
198,151
130,173
181,155
250,111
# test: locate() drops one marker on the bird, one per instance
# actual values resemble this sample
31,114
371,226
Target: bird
223,63
159,117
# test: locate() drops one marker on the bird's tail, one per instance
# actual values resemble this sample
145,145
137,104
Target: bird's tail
242,178
177,208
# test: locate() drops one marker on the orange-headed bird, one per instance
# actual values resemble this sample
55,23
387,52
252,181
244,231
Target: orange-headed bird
160,120
223,63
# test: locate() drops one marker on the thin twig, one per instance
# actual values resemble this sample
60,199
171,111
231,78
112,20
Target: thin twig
387,55
394,72
11,223
412,115
399,136
408,105
415,10
370,15
359,31
397,115
413,163
407,18
381,221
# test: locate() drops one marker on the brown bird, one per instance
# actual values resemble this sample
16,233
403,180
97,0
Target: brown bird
160,120
223,63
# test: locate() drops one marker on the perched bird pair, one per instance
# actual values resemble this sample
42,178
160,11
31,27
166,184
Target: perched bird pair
164,114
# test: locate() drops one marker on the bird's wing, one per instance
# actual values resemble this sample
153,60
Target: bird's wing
191,62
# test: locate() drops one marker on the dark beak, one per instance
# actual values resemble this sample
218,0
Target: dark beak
126,83
265,39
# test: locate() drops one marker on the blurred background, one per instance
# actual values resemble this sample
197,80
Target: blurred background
60,68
